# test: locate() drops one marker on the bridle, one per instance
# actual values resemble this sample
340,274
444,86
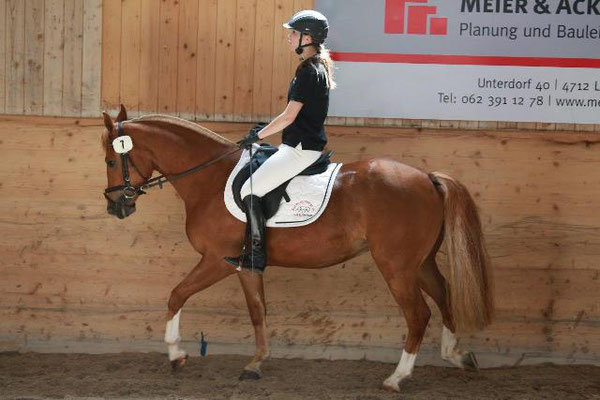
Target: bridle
129,192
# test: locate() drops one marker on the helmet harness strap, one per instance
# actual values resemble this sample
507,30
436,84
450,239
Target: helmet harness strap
301,46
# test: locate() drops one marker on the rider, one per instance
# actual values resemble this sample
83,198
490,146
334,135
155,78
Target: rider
303,132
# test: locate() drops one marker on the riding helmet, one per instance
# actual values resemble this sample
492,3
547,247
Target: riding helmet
309,22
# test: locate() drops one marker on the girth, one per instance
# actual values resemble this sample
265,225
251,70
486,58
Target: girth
272,200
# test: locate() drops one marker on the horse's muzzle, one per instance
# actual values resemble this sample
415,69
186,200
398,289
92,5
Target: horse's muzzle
120,209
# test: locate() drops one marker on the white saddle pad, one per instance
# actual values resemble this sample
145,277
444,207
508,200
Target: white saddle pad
309,196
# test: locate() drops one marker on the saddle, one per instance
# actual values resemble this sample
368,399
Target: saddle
272,200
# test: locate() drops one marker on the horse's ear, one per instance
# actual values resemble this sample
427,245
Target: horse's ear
107,121
122,114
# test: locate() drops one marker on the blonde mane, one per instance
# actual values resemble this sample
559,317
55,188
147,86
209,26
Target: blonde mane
184,124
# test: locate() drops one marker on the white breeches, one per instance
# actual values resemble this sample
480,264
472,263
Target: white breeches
279,168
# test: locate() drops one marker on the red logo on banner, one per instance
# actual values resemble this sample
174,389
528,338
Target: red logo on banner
416,17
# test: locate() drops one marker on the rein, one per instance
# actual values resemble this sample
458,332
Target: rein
130,191
159,180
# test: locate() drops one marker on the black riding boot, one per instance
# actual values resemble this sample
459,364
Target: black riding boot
254,251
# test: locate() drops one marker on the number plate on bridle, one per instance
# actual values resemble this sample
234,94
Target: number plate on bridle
122,144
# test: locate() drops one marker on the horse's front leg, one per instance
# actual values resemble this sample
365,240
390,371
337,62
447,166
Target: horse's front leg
208,271
255,299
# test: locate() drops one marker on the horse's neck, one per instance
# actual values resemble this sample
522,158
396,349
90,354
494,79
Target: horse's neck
177,150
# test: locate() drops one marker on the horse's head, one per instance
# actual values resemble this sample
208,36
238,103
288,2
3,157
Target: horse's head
125,176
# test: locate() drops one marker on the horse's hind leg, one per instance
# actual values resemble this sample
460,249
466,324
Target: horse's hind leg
255,299
434,284
208,271
402,279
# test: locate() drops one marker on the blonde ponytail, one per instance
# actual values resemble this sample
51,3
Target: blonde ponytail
329,65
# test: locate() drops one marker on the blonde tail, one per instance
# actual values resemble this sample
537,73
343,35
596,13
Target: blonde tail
470,280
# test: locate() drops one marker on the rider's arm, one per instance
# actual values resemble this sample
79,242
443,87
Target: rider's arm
283,120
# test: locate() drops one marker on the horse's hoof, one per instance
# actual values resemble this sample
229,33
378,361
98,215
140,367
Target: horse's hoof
177,364
391,386
248,375
470,362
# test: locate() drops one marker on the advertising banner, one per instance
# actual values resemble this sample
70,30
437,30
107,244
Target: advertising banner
485,60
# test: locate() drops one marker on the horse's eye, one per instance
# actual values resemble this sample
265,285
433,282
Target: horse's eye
111,163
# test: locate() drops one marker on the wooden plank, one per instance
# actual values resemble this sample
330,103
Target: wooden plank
15,56
546,254
533,241
107,283
533,294
335,121
522,294
111,54
21,120
130,55
373,122
53,56
384,329
244,59
370,299
509,125
526,126
540,126
536,241
293,59
430,124
73,58
3,36
167,73
225,60
511,229
355,121
578,127
187,58
92,58
488,125
282,57
206,64
60,325
263,60
34,55
149,52
299,5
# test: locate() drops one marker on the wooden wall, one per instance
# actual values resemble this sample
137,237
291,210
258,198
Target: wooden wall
50,57
75,279
200,59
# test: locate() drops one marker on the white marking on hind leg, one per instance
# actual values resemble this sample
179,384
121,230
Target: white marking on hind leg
450,350
403,371
172,338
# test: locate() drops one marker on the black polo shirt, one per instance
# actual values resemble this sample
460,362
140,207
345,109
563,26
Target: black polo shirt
309,87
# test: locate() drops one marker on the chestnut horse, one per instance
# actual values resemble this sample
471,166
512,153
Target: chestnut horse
398,213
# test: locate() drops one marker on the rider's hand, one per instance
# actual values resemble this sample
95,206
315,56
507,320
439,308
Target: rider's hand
249,139
252,136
